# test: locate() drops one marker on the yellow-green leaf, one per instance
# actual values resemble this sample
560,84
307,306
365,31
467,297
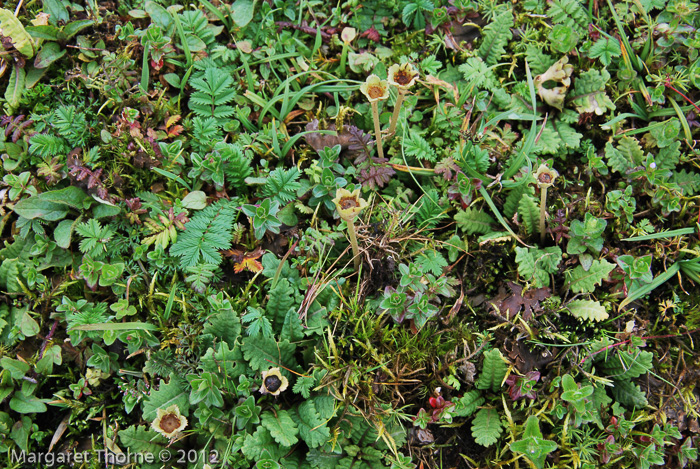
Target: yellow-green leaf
11,27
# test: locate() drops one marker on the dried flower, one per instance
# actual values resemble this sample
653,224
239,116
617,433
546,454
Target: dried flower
349,204
375,89
403,76
273,382
545,176
169,422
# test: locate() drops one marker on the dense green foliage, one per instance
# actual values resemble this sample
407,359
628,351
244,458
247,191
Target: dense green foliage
215,246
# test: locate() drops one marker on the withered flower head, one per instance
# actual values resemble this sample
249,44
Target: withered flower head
169,422
349,204
273,382
403,76
545,176
375,89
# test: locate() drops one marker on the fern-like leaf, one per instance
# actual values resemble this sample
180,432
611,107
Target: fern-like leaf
513,198
478,75
71,125
257,323
493,371
213,93
625,156
496,36
688,181
629,394
200,275
529,214
282,185
628,365
194,23
486,427
418,147
580,280
535,265
589,92
281,299
474,221
569,13
281,427
467,404
431,261
208,232
237,166
46,145
430,211
312,427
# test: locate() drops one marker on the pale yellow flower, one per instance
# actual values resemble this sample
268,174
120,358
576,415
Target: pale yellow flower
169,422
375,89
348,34
545,176
273,382
349,204
403,76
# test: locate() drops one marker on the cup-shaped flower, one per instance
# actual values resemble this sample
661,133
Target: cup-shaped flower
402,76
273,382
545,176
375,89
349,204
169,422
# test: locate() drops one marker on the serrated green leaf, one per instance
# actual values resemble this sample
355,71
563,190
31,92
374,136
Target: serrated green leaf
312,428
263,353
167,394
486,427
493,371
580,280
139,438
605,49
495,37
588,310
281,427
629,394
529,214
474,221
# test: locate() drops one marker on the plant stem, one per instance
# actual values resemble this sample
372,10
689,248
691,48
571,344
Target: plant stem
353,243
397,109
377,129
543,208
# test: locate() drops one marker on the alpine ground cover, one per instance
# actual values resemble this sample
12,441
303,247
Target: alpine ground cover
371,234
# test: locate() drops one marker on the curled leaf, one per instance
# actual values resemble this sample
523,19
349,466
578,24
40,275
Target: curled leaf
560,73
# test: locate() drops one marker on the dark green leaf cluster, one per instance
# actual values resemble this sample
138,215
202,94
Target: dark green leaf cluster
208,232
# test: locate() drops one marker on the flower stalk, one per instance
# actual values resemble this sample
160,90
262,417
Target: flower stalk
349,206
376,90
545,178
403,77
377,129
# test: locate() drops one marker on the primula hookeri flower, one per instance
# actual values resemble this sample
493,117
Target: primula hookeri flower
403,76
375,89
349,204
273,382
545,176
169,422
